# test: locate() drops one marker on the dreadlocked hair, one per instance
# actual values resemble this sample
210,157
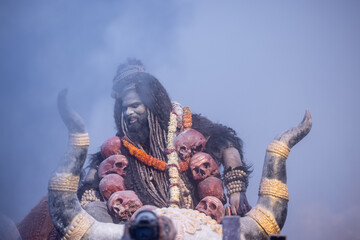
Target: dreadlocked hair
149,184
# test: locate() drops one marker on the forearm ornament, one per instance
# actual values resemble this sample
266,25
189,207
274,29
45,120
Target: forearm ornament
79,139
79,226
68,182
278,149
275,188
265,220
65,182
235,180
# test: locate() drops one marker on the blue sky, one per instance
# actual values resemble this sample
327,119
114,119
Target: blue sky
254,66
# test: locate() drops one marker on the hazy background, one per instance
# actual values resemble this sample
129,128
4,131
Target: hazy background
254,66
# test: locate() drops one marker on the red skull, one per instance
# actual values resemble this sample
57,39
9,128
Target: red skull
111,147
113,164
212,207
202,165
211,186
123,204
188,143
111,183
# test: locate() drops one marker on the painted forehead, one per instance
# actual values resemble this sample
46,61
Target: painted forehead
130,97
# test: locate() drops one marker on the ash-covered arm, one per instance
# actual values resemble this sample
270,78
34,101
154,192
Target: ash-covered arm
232,158
236,181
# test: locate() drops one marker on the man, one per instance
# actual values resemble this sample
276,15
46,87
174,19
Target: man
142,110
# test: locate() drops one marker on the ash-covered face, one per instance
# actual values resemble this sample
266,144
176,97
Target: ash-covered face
134,111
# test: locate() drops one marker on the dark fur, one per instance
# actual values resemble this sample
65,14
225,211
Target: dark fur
219,138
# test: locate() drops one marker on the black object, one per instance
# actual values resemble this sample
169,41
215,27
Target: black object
145,226
277,237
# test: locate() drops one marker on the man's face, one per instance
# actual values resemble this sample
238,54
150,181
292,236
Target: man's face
134,111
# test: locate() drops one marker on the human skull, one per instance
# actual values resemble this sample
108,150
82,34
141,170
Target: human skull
211,186
113,164
188,143
212,207
123,204
111,183
111,147
202,165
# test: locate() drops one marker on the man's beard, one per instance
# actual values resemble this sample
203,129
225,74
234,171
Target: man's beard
138,132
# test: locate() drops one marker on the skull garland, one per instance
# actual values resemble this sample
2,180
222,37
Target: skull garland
188,143
111,147
212,207
120,202
211,186
123,204
202,165
111,183
113,164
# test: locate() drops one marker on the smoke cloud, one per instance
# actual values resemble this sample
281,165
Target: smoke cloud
252,66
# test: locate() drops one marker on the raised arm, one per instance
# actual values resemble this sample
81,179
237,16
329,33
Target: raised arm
226,148
236,181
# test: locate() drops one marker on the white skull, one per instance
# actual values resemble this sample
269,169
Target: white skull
212,207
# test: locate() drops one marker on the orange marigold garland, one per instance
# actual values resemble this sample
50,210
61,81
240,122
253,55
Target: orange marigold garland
150,160
183,166
187,118
143,156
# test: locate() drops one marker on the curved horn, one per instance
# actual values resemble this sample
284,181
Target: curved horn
296,134
72,120
271,209
70,220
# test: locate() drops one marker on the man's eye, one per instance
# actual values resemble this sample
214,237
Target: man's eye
135,105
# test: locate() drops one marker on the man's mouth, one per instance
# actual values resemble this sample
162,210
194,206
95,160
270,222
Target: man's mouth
132,120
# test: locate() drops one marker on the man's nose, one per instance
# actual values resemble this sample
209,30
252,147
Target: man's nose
129,111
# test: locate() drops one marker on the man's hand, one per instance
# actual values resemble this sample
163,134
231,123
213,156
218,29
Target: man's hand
239,204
